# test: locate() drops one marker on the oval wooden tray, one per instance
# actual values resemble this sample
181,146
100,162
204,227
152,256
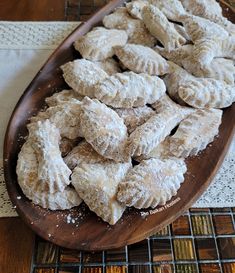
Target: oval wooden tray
79,228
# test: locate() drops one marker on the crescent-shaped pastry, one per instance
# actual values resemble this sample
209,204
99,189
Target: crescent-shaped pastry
195,132
53,173
207,93
219,68
152,132
27,175
104,130
162,149
201,28
142,59
82,75
134,117
135,28
151,183
128,89
172,9
158,25
97,45
97,184
205,50
211,10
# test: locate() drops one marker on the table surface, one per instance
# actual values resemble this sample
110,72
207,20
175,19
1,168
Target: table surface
202,240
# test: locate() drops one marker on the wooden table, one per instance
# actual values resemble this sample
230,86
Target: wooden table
16,239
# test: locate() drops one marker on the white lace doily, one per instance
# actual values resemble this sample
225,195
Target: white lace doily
6,207
48,35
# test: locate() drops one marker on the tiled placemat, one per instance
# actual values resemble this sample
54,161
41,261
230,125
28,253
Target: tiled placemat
201,240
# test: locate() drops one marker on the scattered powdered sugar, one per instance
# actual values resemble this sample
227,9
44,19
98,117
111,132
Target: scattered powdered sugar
69,219
72,220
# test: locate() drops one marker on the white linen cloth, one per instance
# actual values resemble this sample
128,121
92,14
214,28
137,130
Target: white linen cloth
24,47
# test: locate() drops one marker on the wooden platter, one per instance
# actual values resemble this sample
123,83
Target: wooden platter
79,228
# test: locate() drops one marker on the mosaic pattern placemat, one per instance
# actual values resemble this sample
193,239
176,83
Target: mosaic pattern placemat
200,241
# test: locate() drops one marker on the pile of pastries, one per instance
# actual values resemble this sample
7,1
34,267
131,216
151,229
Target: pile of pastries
146,94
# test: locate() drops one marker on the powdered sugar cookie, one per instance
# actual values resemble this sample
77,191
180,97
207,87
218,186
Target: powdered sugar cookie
142,59
97,45
104,130
201,28
82,75
151,183
128,89
52,171
211,10
97,184
207,93
152,132
161,28
195,132
27,174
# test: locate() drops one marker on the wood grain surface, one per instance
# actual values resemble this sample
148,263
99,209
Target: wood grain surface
48,10
43,10
88,232
16,246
